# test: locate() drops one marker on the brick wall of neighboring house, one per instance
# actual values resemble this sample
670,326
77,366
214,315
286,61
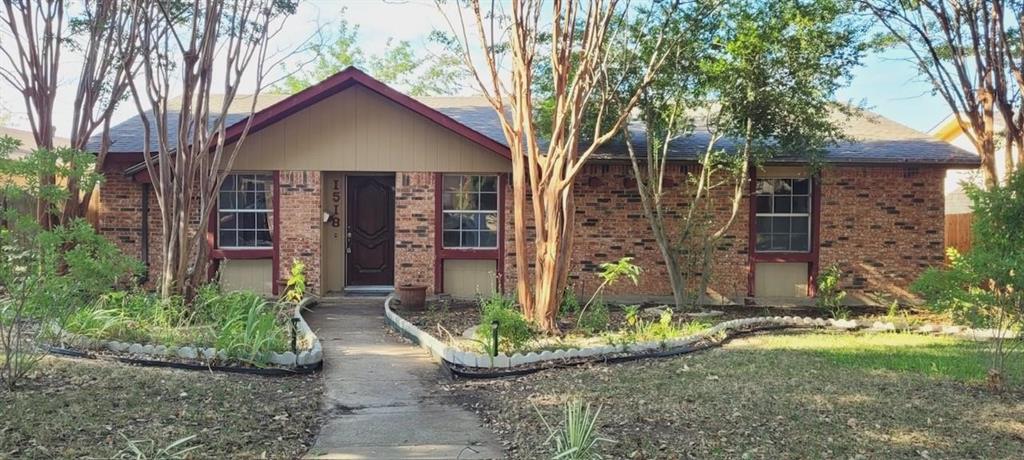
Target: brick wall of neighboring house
882,225
611,224
301,222
414,229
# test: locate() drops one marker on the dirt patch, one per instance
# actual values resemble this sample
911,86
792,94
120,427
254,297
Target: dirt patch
81,408
749,401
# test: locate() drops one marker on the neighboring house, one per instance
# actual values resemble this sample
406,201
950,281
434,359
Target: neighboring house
949,131
372,188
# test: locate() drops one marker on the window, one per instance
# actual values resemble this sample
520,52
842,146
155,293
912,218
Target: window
783,215
469,207
244,212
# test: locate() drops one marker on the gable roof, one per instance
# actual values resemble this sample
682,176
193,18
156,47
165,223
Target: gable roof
875,139
129,136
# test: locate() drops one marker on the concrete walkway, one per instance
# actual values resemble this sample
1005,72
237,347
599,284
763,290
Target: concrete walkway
380,393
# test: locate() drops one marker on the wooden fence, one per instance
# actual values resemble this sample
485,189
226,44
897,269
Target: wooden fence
958,231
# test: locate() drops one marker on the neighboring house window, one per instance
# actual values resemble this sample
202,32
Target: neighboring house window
244,211
783,215
469,207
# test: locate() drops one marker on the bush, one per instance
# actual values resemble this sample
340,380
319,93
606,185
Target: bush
982,287
514,331
570,303
830,295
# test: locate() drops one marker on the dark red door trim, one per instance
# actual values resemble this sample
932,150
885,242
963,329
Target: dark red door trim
811,258
441,253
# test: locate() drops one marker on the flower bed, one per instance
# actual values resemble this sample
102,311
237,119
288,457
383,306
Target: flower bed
467,362
234,329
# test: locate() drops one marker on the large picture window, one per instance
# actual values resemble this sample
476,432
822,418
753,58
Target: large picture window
244,209
783,215
469,207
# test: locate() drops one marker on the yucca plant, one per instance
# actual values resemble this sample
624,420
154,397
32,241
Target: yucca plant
577,437
146,449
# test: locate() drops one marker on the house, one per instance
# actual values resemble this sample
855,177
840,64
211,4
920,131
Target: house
371,188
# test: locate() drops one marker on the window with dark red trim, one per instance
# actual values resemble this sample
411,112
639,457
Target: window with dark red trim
783,215
469,211
245,212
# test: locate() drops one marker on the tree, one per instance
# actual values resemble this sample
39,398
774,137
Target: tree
399,65
103,32
575,39
767,82
983,287
196,47
971,57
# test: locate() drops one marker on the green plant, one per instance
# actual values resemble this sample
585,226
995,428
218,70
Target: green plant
576,438
570,303
830,295
295,290
514,331
250,331
595,318
982,287
148,449
611,273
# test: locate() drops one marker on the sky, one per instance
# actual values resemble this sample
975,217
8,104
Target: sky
885,83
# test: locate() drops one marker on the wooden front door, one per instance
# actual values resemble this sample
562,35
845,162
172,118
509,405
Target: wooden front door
371,231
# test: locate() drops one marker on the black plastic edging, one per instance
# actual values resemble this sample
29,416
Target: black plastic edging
268,371
678,351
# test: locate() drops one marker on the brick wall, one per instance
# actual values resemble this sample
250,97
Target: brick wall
611,224
414,229
120,215
882,225
301,222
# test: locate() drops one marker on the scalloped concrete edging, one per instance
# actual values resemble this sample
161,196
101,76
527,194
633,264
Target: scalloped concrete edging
468,359
306,342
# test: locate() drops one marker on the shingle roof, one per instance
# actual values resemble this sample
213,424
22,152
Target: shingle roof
874,138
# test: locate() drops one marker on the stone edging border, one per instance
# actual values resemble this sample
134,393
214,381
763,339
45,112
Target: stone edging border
467,359
310,356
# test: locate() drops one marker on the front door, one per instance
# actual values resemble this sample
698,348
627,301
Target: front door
371,231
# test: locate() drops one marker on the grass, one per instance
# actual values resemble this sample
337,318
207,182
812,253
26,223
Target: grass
814,395
88,409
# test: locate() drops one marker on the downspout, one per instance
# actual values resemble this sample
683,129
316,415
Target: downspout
144,237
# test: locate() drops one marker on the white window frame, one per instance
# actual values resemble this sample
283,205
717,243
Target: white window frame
269,211
809,214
496,212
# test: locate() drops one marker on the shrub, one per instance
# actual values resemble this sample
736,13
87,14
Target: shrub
296,287
514,331
982,288
830,295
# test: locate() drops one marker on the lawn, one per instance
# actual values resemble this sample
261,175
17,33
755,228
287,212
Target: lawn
812,395
77,409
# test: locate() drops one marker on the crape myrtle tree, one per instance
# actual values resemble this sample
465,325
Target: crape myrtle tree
196,48
761,74
971,54
504,46
35,38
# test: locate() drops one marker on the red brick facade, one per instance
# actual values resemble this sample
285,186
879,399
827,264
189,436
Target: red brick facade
610,224
882,225
414,229
300,219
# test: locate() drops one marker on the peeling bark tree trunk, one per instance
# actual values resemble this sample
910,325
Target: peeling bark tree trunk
576,48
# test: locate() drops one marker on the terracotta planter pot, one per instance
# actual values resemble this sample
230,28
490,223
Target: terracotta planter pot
412,297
